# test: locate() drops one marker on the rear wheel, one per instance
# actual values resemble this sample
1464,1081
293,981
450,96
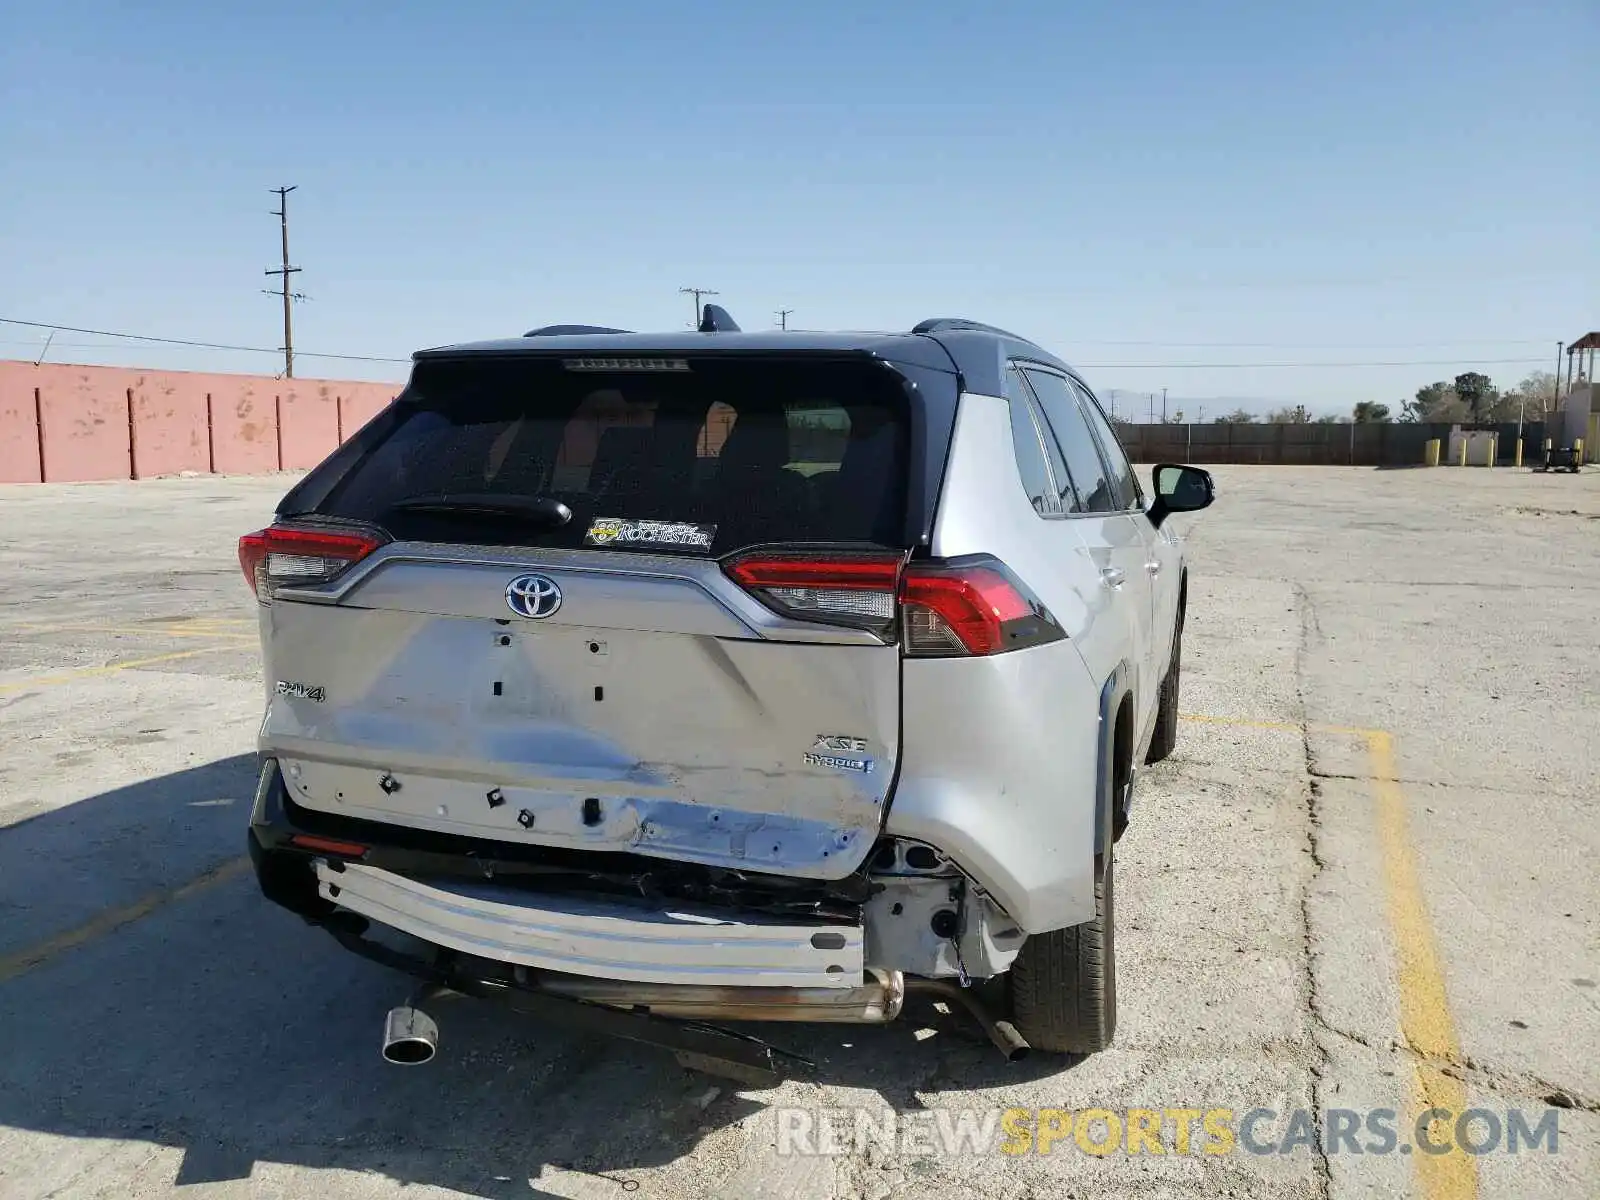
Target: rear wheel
1064,982
1165,738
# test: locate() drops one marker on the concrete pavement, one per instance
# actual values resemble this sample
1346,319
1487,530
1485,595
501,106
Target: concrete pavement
1366,880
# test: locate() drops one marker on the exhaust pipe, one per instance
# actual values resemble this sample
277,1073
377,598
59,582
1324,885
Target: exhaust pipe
876,1001
1003,1034
410,1037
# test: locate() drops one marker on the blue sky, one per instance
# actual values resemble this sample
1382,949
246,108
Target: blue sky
1141,187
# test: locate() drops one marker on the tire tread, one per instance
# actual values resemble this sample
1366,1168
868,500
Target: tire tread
1063,983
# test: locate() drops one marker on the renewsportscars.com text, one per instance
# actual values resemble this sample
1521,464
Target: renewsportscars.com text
1178,1130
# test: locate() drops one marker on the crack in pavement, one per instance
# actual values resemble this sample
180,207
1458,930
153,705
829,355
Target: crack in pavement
1481,1075
1320,1061
1492,789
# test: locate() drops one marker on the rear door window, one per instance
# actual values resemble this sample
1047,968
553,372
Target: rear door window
1028,442
1124,483
712,455
1067,422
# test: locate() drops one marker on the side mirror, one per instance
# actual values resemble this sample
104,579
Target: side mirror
1180,489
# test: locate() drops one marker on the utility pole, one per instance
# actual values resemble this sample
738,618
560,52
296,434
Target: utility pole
783,317
697,293
1555,401
1152,408
1163,406
282,213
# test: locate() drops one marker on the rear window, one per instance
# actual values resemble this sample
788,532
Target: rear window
707,458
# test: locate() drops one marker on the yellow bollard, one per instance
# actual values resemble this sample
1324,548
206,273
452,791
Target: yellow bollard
1494,450
1517,462
1430,452
1463,461
1577,452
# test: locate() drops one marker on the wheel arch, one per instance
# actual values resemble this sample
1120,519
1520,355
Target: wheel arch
1115,755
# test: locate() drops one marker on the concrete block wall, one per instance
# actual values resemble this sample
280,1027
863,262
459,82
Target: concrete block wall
61,423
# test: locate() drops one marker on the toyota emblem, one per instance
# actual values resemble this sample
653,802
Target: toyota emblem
533,596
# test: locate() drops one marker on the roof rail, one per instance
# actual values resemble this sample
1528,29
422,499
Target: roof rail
715,319
940,324
569,330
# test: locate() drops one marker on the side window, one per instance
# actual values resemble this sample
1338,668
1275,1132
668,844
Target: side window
1123,480
1029,447
1071,430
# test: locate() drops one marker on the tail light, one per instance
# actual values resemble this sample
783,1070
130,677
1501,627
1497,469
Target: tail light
970,606
855,590
954,608
285,557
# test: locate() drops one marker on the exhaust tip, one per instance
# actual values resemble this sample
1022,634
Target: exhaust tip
410,1037
1010,1042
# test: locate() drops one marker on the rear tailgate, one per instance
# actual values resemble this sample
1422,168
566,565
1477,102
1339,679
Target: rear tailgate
603,682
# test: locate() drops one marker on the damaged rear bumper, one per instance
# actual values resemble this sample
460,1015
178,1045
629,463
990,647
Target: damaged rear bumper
652,972
481,907
596,937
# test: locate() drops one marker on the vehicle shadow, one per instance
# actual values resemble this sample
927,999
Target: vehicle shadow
207,1020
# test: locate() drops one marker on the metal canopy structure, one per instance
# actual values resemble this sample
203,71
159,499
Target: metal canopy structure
1588,344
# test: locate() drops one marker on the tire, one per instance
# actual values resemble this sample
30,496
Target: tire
1165,738
1064,982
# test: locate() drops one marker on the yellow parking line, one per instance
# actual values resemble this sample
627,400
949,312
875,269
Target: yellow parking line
179,631
23,685
23,961
1425,1020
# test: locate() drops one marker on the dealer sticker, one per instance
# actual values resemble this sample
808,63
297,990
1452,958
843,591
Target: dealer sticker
677,535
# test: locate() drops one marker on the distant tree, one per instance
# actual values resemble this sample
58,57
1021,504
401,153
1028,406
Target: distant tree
1297,415
1531,399
1332,419
1237,417
1435,402
1369,412
1477,392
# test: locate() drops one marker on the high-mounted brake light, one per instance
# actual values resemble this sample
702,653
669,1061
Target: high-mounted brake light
970,607
856,590
281,556
625,364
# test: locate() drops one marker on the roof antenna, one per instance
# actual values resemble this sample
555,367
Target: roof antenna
715,319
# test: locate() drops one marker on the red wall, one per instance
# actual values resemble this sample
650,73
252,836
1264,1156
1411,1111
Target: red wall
117,423
19,435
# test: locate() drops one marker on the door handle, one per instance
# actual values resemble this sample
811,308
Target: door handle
1153,567
1113,576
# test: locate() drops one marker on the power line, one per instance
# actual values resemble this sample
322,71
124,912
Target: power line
1119,366
1236,366
1314,345
166,341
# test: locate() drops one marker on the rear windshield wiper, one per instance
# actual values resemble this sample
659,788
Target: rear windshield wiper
537,510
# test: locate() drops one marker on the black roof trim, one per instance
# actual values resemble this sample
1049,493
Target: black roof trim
572,330
977,353
946,324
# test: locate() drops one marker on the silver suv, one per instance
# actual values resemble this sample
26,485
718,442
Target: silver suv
641,681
